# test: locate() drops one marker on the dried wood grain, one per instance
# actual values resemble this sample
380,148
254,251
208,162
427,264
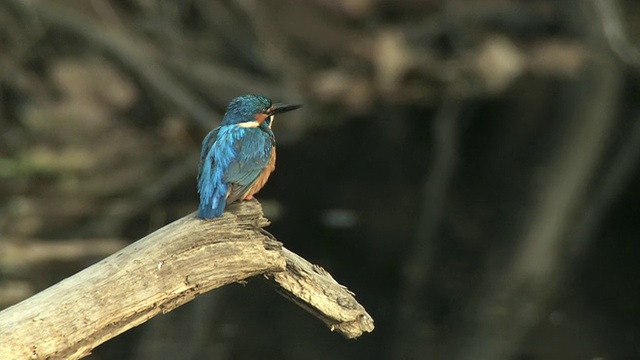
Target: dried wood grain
162,271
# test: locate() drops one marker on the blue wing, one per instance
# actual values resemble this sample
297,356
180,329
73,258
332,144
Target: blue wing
253,156
208,188
231,160
207,143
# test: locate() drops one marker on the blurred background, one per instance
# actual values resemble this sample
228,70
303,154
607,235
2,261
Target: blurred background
469,168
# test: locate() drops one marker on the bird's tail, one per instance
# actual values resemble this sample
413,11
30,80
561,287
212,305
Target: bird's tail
213,192
211,209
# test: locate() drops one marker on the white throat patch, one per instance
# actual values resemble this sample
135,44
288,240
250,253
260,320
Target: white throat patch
248,124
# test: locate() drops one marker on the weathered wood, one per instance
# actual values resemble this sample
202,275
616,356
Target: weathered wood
163,271
313,288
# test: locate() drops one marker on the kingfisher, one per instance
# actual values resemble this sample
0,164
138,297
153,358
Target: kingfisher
238,157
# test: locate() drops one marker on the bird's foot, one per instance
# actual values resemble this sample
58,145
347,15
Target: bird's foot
250,197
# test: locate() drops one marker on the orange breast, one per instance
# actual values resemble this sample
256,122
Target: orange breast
263,177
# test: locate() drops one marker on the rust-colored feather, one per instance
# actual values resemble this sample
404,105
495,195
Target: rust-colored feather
261,180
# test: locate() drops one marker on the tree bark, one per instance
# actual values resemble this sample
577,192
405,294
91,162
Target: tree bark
162,271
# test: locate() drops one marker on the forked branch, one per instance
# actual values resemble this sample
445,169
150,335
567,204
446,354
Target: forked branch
162,271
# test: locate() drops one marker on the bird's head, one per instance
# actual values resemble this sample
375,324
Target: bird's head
253,111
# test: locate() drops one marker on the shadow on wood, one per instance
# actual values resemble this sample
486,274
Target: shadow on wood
164,270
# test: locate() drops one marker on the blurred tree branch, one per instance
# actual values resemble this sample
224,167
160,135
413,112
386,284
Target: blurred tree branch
133,54
163,271
511,303
419,262
608,14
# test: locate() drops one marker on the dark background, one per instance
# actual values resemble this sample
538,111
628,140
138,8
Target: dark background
468,168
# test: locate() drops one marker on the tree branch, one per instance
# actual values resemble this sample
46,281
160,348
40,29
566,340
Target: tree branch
162,271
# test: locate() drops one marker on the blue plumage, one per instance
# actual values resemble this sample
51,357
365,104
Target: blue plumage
237,157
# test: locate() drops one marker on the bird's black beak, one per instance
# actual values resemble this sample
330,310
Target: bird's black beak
281,108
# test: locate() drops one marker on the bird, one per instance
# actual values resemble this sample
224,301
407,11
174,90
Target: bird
238,157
